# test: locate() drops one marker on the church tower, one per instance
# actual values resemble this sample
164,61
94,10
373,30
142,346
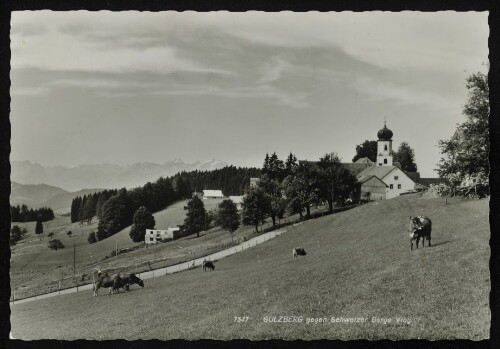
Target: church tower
384,147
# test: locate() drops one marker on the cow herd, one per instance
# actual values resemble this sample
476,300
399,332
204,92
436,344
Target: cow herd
115,282
420,228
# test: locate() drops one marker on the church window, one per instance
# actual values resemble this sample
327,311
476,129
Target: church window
391,186
385,147
396,178
399,186
385,161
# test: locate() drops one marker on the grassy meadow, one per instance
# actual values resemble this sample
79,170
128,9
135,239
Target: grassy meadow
36,268
359,265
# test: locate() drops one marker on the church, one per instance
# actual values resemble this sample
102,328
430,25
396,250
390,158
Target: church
383,179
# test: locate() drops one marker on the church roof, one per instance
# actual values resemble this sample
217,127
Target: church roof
366,178
379,171
356,167
384,134
363,161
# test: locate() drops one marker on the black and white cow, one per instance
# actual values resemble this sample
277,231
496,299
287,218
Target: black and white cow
298,251
420,228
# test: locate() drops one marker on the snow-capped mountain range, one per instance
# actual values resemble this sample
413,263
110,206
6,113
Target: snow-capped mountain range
103,175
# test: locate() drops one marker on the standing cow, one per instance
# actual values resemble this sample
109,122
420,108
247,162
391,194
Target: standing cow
420,227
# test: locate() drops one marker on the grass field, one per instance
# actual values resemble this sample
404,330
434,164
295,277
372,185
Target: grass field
359,264
36,268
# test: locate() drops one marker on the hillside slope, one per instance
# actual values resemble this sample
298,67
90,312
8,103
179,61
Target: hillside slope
30,256
359,264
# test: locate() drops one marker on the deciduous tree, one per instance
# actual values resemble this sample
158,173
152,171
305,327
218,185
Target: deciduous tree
301,189
406,157
228,217
195,217
255,207
465,160
335,182
368,149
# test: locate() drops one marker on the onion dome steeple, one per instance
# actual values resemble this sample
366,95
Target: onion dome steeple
384,134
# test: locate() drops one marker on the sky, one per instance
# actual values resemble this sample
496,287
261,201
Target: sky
128,87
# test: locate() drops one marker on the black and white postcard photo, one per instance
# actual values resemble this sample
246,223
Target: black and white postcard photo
249,175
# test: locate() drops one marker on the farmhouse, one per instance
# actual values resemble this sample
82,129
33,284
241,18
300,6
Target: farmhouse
212,194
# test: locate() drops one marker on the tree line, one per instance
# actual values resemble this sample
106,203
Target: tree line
24,214
288,186
115,208
295,187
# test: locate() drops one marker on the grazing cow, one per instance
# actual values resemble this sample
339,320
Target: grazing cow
208,265
298,251
125,280
104,280
115,282
420,227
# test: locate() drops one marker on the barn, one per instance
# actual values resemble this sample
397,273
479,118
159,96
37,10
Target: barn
372,188
212,194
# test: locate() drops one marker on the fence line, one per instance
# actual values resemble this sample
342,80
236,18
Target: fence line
186,265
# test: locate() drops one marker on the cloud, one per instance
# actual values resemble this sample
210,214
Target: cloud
262,92
376,91
29,91
273,69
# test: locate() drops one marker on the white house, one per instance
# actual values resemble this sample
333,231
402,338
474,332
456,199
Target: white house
156,235
212,194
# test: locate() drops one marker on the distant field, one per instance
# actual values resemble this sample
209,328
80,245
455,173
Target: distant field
359,264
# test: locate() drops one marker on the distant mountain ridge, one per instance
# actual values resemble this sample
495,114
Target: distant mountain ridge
103,175
32,195
43,195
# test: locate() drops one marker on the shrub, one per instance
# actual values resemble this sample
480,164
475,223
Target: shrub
15,234
92,238
55,244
